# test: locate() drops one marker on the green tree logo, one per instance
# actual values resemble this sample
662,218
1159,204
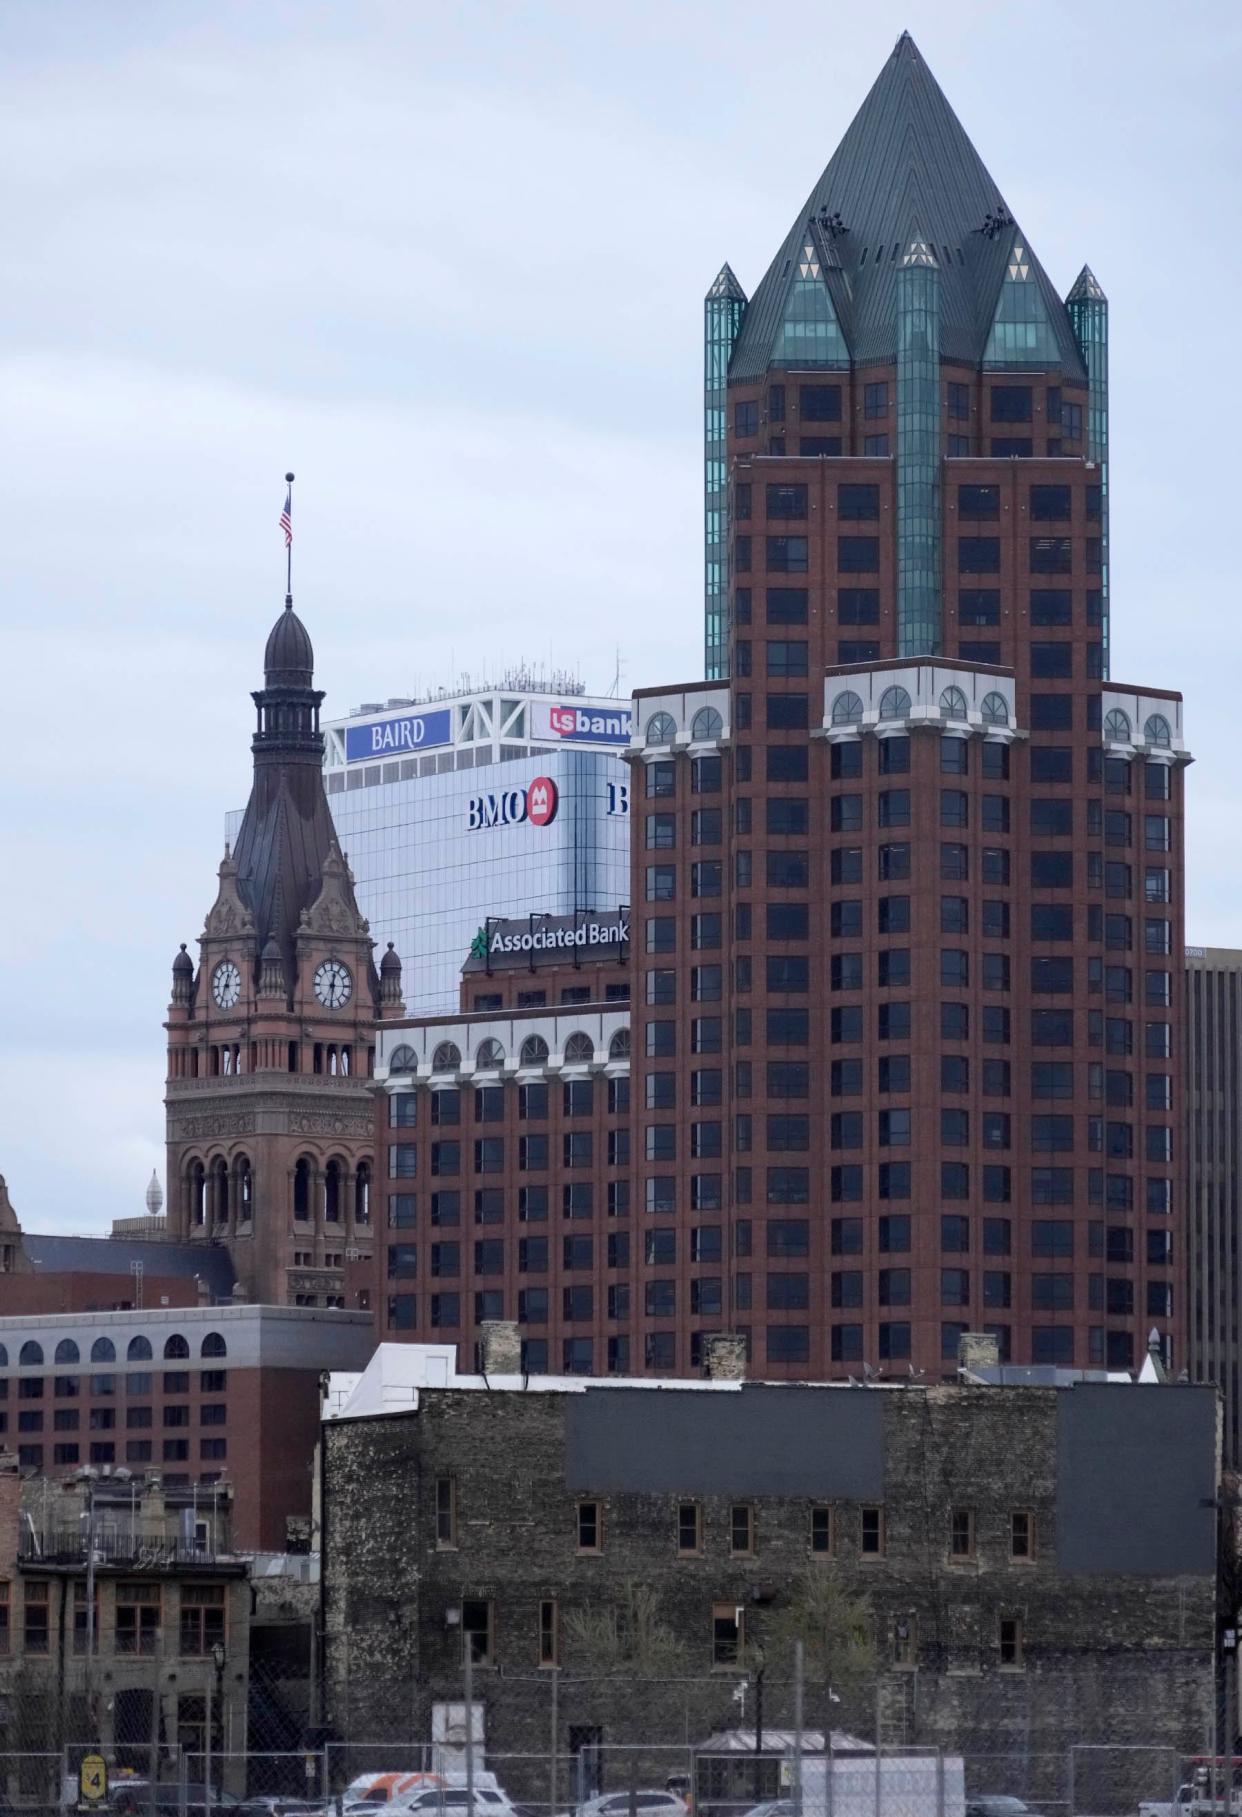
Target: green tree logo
478,946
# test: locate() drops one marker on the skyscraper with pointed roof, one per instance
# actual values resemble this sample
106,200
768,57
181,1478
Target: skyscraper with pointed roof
271,1037
907,1030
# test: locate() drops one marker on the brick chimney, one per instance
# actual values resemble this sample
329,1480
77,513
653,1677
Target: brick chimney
724,1357
501,1346
977,1350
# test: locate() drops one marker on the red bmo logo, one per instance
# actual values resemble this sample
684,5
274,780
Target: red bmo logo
541,801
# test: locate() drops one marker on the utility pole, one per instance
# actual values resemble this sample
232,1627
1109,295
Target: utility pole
797,1759
469,1640
552,1757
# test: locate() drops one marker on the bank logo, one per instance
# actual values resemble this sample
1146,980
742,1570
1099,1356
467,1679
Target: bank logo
478,946
583,725
541,801
537,803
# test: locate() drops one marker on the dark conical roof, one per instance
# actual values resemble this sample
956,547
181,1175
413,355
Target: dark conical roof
390,963
183,963
905,171
289,659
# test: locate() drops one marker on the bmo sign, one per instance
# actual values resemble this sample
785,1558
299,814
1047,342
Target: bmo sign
536,803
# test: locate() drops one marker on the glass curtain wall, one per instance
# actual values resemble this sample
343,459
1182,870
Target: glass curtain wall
918,453
1088,312
723,308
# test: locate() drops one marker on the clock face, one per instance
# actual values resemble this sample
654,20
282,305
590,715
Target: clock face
226,984
333,984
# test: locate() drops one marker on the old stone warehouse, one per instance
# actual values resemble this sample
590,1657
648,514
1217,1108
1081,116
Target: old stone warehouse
1035,1563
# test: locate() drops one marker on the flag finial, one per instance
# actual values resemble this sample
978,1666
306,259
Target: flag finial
286,524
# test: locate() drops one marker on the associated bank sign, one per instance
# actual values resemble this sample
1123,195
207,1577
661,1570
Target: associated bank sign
547,937
390,737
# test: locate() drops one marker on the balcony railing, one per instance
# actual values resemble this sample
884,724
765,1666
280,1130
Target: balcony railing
130,1551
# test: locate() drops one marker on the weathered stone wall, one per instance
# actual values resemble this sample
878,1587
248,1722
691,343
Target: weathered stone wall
1124,1657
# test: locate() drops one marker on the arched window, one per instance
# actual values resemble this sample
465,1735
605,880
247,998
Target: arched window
31,1355
534,1051
245,1188
1157,730
67,1352
661,728
176,1347
103,1350
446,1057
302,1188
196,1191
953,704
362,1193
333,1190
404,1060
4,1356
490,1056
138,1351
213,1345
847,708
894,703
218,1190
706,723
1116,727
995,710
619,1046
579,1049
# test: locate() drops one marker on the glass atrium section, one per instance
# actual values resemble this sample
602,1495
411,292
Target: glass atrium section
918,453
1088,313
1022,334
723,308
810,334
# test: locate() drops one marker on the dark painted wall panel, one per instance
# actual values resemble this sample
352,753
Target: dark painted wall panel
1136,1479
826,1442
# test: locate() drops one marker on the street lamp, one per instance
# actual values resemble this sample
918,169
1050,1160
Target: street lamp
217,1660
89,1477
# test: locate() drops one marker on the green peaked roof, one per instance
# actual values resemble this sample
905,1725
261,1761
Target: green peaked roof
905,171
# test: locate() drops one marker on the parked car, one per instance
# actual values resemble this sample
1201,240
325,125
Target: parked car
617,1804
776,1807
998,1804
133,1798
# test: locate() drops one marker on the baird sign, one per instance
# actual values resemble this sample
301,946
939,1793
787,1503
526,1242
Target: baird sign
550,937
390,737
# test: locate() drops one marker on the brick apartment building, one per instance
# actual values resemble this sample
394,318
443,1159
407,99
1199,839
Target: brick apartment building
907,1022
205,1401
1029,1581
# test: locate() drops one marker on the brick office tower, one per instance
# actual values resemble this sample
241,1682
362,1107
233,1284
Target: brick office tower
908,886
271,1041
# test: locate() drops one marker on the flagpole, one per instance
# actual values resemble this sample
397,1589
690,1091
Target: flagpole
289,547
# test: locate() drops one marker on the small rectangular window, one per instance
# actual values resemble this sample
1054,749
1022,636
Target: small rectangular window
590,1527
821,1530
689,1528
477,1635
871,1532
728,1633
1022,1535
446,1511
741,1529
549,1632
1010,1638
962,1533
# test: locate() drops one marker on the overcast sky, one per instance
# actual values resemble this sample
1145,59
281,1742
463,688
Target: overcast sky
447,261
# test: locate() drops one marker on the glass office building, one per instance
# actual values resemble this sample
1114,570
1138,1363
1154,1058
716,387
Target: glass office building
501,801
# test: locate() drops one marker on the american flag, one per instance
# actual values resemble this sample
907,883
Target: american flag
286,518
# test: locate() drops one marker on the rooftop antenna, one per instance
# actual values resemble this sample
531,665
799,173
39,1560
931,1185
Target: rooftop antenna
615,689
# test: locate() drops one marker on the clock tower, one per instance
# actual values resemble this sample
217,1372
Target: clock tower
271,1035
